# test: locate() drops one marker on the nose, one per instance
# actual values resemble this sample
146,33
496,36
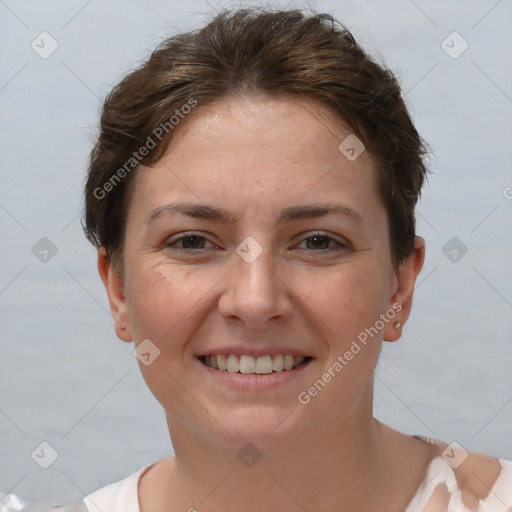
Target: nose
256,293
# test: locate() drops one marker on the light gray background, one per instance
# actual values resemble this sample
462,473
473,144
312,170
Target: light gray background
67,380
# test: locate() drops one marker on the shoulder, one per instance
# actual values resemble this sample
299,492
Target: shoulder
477,475
121,496
476,478
481,478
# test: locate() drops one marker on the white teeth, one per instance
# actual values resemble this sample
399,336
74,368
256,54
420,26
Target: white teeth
222,362
249,364
288,362
264,365
277,364
233,364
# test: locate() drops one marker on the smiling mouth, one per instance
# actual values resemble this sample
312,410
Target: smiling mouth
247,364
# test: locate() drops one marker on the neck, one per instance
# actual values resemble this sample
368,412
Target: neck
345,462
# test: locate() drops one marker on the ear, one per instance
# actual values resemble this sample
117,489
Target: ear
401,301
114,285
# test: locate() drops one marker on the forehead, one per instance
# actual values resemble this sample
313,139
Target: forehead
274,128
260,149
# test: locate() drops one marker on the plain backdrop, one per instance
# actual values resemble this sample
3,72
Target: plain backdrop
67,381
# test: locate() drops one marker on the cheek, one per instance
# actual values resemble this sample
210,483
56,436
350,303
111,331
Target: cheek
163,300
163,305
347,299
347,305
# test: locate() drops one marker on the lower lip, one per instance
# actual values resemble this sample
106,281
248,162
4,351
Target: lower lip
249,381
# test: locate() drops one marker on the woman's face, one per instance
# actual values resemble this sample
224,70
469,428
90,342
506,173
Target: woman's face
255,242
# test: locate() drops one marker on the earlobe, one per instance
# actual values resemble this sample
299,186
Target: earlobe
406,280
114,286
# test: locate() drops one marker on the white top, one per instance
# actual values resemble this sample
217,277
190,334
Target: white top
123,496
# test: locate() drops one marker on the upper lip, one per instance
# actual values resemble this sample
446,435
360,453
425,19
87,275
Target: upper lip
254,351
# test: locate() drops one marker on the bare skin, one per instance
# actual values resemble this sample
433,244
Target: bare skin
254,157
476,476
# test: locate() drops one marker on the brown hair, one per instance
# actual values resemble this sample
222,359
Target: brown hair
250,50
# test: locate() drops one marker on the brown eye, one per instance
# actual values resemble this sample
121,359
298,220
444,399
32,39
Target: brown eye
192,242
320,242
189,242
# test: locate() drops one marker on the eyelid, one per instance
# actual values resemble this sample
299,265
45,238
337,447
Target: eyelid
343,243
340,244
172,241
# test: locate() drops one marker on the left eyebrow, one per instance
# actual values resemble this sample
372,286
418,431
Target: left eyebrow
291,213
310,211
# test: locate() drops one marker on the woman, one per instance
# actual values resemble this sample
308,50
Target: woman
252,197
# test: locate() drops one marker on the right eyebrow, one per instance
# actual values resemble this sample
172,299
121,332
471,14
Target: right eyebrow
199,211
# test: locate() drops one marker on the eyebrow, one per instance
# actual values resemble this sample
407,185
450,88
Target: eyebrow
202,211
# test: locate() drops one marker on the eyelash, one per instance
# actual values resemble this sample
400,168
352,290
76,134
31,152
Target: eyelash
340,245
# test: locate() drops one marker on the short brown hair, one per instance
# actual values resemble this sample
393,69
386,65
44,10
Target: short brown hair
251,50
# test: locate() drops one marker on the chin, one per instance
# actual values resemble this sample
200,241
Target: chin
264,426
